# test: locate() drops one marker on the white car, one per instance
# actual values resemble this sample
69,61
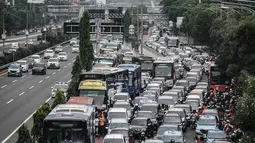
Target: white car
73,41
30,42
58,49
48,54
75,48
61,86
62,56
36,58
53,63
24,65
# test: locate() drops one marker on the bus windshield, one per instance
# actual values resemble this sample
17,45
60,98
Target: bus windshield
146,65
163,70
102,60
92,93
218,78
56,131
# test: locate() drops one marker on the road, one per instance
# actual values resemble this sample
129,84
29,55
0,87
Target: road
21,96
20,37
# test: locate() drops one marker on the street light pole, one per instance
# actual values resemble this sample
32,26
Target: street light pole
3,35
142,27
27,32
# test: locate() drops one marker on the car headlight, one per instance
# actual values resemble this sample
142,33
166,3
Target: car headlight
18,71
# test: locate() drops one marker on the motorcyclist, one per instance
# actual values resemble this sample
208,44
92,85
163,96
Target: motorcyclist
228,127
136,108
150,129
200,110
172,141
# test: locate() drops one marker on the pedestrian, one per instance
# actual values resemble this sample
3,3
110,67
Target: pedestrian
101,129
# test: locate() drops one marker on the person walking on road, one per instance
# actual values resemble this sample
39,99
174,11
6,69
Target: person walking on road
102,125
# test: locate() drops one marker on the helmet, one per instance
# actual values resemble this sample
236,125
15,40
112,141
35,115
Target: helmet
136,104
172,141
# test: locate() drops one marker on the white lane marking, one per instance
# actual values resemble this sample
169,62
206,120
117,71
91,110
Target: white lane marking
64,66
47,77
59,69
69,81
9,101
3,86
69,64
48,100
53,73
40,81
21,93
31,87
23,76
14,81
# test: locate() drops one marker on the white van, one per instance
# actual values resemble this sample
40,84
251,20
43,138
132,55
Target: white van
117,113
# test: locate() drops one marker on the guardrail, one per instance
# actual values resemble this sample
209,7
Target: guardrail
38,53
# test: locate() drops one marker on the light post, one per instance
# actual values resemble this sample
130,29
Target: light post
13,54
142,27
3,35
27,32
44,29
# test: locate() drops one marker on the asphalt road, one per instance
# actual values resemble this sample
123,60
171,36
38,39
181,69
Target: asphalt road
21,96
14,38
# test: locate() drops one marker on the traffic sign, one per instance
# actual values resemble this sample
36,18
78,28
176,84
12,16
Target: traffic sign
3,36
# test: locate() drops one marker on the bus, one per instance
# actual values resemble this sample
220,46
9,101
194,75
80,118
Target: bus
172,41
145,62
80,100
218,80
164,68
134,82
70,123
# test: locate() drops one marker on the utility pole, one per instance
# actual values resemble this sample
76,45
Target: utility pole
27,32
141,26
3,35
132,14
98,30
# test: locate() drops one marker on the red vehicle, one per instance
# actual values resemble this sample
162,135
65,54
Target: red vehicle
217,80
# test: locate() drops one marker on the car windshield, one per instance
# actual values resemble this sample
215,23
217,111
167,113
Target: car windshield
166,101
210,113
191,79
21,62
61,86
112,115
35,57
152,87
48,51
14,66
216,135
162,130
62,54
53,60
113,140
126,106
39,65
146,115
192,103
172,119
139,122
123,132
177,139
149,108
120,97
118,125
181,84
180,113
206,122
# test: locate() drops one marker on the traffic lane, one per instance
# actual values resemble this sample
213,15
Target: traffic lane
24,106
7,80
22,43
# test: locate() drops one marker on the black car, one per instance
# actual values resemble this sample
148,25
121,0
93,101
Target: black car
39,68
31,62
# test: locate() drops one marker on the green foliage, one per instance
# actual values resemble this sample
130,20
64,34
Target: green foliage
24,135
127,23
237,52
38,118
73,87
59,99
86,47
77,67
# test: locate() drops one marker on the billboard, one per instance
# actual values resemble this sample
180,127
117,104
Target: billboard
35,1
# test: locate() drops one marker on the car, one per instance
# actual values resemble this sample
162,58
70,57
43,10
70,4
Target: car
24,65
177,136
62,56
117,123
53,63
214,135
114,138
58,49
122,96
59,86
150,94
181,112
205,123
30,62
15,69
75,48
123,131
39,68
73,41
166,100
153,141
150,115
37,58
192,82
166,127
48,54
124,104
30,42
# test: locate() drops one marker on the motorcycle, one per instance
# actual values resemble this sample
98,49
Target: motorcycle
193,122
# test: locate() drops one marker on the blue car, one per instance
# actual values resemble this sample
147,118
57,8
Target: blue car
204,124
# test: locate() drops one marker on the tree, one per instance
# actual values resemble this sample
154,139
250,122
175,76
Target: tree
86,47
77,67
127,23
237,52
24,135
38,118
59,99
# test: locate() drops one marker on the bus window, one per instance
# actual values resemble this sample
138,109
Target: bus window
163,70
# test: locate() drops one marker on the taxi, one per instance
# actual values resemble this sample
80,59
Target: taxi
177,136
61,86
206,123
215,135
